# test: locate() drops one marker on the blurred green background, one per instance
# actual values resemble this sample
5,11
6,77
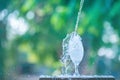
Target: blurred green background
31,34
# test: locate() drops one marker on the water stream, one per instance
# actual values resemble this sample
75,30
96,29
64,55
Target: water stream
79,14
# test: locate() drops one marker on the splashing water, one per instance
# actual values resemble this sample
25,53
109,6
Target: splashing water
72,46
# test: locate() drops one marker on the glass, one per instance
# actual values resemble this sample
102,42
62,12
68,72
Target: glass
72,50
75,50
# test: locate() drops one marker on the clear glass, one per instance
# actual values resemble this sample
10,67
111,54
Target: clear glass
75,50
72,50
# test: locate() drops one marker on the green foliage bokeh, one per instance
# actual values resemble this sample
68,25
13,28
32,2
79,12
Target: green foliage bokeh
53,19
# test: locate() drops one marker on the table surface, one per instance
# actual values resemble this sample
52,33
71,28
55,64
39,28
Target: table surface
82,77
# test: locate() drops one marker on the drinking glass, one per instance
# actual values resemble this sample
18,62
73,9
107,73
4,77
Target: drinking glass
75,50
